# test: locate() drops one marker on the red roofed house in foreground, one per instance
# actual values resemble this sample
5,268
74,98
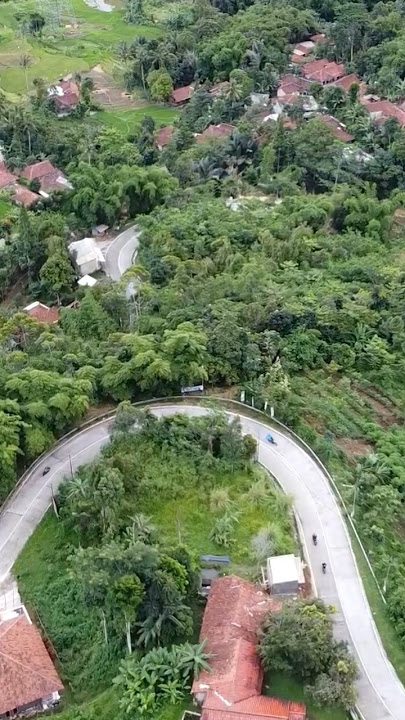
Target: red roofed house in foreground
20,194
29,682
42,312
233,615
49,177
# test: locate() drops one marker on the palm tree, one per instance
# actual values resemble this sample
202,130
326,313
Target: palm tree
24,62
194,659
142,61
123,51
234,93
255,54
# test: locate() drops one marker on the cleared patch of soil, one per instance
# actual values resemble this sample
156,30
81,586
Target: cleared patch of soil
109,95
315,423
385,415
354,447
95,411
230,393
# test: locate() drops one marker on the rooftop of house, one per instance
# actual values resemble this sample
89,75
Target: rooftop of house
86,250
317,38
304,48
87,281
283,568
24,196
69,99
323,71
347,81
215,131
6,177
54,181
26,670
164,135
292,84
182,94
232,618
42,312
254,708
337,128
38,170
380,110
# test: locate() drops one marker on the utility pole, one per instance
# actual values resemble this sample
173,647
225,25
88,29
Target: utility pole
386,577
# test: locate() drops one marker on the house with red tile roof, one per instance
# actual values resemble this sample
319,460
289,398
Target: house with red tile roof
65,96
303,49
6,178
317,38
215,131
163,136
50,178
338,129
18,193
24,196
381,110
42,312
29,681
181,95
323,71
292,85
231,690
347,81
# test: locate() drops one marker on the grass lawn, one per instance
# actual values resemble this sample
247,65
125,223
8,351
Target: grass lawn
5,208
287,689
189,517
52,57
123,119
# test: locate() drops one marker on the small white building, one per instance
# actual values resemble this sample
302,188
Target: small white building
285,574
87,256
87,281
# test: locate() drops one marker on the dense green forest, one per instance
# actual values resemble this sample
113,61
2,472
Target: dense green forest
271,261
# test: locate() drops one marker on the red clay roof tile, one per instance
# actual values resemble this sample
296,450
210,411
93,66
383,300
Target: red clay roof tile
233,615
182,94
6,178
26,670
164,135
42,313
38,170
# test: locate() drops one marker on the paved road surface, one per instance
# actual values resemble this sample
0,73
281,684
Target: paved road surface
121,253
381,696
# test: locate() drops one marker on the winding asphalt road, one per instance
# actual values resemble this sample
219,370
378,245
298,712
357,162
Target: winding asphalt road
122,252
380,694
